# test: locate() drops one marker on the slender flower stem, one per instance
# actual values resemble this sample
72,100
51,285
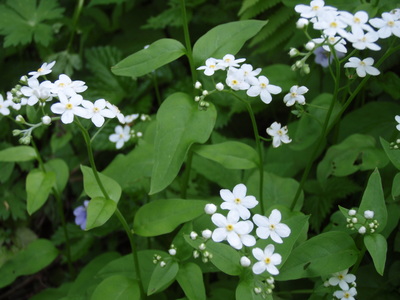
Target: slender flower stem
188,44
186,175
117,212
75,19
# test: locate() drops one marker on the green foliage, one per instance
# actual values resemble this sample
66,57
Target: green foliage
190,278
18,153
117,287
377,246
38,187
22,21
162,277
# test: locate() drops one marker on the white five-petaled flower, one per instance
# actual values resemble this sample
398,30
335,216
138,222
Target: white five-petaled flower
362,40
64,85
43,70
229,61
210,67
248,73
233,231
68,108
295,95
347,294
120,136
279,134
363,67
357,21
337,42
316,8
388,25
271,227
116,112
267,260
238,201
4,110
97,111
342,279
262,87
397,118
236,80
36,91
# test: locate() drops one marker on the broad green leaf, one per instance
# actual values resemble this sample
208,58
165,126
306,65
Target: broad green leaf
162,277
190,278
179,124
163,216
99,211
17,154
321,255
117,287
7,169
37,255
357,152
60,169
396,187
232,155
310,125
159,53
92,188
245,290
280,75
393,154
374,199
377,246
224,39
38,187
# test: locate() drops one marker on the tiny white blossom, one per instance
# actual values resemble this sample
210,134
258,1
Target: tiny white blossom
279,134
120,136
262,87
361,40
342,279
116,111
210,208
43,70
347,294
357,21
249,74
68,108
271,227
368,214
295,95
236,80
331,25
36,91
4,110
388,25
316,8
397,118
245,261
130,118
337,42
210,67
267,260
363,67
238,201
97,111
229,61
64,85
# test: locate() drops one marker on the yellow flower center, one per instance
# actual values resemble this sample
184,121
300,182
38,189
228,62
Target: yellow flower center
333,24
69,106
237,201
40,70
267,260
62,84
341,277
316,7
229,227
346,295
263,85
121,135
212,66
280,132
390,23
294,95
356,20
96,109
272,227
235,82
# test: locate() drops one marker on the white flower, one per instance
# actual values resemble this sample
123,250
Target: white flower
347,294
210,208
4,110
236,233
210,67
245,261
388,25
361,40
279,134
120,136
368,214
357,21
316,8
116,112
262,87
97,111
36,91
271,227
236,80
363,67
397,118
68,108
295,95
130,118
43,70
342,279
337,42
238,201
331,24
249,74
229,61
267,260
64,85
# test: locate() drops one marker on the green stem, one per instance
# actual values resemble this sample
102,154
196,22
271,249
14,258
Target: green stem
117,212
188,44
186,175
75,19
358,262
61,213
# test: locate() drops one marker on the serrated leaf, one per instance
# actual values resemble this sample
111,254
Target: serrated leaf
377,246
224,39
38,187
17,154
179,124
147,60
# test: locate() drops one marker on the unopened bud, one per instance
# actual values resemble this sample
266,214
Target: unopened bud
352,212
207,233
306,69
310,46
205,93
210,208
46,120
202,246
172,251
196,254
362,230
293,52
368,214
193,235
197,85
163,264
257,290
301,23
245,261
20,119
354,220
219,86
16,132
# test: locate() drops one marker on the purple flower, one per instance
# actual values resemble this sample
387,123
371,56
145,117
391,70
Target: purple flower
324,58
80,214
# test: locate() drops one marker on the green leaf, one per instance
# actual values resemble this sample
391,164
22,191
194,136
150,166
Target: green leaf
224,39
99,211
396,187
374,199
145,61
232,155
92,188
357,152
377,246
38,187
190,278
17,154
162,277
321,255
281,75
245,290
117,287
38,255
179,124
393,154
163,216
60,169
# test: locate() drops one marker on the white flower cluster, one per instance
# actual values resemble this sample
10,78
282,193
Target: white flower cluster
341,27
362,223
342,279
241,77
236,228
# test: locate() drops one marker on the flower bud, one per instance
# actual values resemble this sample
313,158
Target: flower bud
172,251
206,233
197,85
205,93
362,230
293,52
16,132
210,208
202,246
206,254
301,23
310,45
368,214
139,134
270,280
20,119
204,260
197,98
46,120
163,264
245,261
219,86
193,235
354,220
352,212
257,290
196,254
306,69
